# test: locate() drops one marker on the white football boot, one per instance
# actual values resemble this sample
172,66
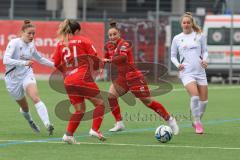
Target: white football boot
118,126
97,134
69,139
173,125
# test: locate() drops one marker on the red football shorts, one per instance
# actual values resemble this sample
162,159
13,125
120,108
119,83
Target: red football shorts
134,82
78,89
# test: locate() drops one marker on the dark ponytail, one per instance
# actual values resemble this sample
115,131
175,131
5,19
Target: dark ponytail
113,24
26,24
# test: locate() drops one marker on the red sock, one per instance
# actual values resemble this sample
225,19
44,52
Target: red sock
159,109
74,122
113,102
97,117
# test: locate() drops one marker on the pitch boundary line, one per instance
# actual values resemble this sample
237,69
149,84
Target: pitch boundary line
130,144
54,140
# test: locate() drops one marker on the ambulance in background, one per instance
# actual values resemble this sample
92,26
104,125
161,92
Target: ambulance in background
217,31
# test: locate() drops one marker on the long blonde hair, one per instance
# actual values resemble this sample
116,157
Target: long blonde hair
195,27
67,28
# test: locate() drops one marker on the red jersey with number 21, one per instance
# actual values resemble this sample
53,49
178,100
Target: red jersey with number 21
72,58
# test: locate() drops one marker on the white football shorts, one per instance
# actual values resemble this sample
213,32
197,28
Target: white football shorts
16,87
199,79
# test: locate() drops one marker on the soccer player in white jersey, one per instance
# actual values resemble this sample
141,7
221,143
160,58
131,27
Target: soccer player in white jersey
19,77
192,49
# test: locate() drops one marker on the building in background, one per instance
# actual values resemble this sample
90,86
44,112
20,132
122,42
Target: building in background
98,9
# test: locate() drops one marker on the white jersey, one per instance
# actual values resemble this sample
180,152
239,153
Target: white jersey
192,48
16,56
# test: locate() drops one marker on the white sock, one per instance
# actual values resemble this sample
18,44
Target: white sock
26,115
43,113
202,107
194,104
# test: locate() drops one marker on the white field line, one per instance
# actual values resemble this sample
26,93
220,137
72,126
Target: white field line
133,145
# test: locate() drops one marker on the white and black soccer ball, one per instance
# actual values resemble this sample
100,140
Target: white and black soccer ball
163,133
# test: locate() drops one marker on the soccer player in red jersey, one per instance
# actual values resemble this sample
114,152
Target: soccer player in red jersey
119,53
74,57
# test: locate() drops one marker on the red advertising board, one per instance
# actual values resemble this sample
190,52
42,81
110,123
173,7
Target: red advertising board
45,38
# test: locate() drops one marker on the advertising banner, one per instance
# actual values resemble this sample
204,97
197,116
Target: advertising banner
46,38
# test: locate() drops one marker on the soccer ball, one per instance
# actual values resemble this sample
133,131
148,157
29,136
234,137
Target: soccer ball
163,133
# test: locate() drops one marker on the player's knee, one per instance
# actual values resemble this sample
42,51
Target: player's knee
98,102
146,101
80,108
35,99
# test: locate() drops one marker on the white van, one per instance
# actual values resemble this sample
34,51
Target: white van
217,29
